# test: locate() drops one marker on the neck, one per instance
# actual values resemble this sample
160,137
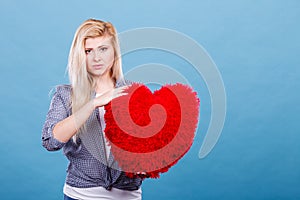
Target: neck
104,83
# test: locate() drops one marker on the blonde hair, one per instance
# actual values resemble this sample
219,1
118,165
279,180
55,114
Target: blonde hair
83,83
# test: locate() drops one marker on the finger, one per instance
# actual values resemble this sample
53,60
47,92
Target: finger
118,90
123,88
120,94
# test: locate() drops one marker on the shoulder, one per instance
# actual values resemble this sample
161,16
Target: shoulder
63,90
62,94
124,82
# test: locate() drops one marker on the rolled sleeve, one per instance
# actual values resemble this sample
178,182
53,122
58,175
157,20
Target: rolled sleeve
56,113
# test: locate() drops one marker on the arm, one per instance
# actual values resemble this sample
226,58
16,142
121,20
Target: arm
57,111
68,127
64,127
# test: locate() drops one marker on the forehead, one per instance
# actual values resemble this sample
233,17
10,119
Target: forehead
97,41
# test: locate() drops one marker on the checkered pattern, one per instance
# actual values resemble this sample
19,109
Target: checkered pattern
88,166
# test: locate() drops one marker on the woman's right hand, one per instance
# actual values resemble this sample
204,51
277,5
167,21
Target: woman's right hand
106,97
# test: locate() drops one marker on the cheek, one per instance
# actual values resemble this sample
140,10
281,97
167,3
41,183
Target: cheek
88,61
88,64
110,56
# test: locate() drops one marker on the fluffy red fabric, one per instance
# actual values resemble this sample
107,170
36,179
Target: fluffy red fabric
149,132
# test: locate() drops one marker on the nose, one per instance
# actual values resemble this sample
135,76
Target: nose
97,56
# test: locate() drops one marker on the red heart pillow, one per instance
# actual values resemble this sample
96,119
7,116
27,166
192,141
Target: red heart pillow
149,132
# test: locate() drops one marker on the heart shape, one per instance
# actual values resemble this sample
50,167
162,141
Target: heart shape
149,132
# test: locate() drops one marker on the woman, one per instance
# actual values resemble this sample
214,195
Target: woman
75,120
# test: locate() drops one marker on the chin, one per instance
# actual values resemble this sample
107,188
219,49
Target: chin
98,73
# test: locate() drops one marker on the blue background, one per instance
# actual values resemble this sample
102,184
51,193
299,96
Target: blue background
255,45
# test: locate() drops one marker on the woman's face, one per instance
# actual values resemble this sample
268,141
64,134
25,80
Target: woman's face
99,55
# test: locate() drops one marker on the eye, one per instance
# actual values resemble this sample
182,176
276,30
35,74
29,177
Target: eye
103,49
87,51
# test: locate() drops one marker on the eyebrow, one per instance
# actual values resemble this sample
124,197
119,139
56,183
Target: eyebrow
97,47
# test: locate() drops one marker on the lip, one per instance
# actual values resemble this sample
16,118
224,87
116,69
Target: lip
98,66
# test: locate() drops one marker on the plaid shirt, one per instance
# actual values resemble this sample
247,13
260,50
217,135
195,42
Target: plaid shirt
88,166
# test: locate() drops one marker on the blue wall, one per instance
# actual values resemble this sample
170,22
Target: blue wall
255,45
